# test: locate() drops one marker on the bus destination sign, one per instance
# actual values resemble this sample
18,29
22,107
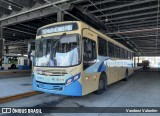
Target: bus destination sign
57,28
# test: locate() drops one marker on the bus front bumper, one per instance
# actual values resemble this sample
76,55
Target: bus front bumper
74,89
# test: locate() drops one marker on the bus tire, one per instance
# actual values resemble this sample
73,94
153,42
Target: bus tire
101,85
13,66
126,75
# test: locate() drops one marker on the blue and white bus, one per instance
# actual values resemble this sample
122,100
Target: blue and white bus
72,58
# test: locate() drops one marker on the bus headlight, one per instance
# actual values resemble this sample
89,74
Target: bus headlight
69,81
72,79
76,77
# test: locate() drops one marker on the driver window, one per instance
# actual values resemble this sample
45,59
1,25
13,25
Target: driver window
89,52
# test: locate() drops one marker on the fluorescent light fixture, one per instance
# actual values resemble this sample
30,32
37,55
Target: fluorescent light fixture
10,7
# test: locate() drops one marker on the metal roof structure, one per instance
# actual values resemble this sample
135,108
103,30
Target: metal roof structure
134,23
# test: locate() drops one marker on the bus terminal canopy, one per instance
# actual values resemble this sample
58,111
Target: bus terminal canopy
133,23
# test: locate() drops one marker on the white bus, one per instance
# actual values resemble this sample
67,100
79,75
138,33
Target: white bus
10,61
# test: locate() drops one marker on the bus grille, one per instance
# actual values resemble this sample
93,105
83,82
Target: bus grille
53,72
50,86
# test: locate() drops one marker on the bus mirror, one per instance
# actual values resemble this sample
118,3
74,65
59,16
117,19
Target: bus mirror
29,49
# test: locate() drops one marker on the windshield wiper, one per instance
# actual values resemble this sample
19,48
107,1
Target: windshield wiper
52,61
58,40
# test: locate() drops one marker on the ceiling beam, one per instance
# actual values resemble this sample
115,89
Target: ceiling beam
133,16
143,26
98,3
12,38
24,29
41,11
77,1
121,6
129,11
134,20
134,31
135,37
19,31
28,26
136,26
17,34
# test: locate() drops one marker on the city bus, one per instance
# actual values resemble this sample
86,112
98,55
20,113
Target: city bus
74,59
11,61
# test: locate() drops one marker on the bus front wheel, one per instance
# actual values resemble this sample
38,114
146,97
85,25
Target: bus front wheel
101,84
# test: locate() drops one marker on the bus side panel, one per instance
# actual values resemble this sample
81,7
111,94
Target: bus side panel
112,74
130,71
115,71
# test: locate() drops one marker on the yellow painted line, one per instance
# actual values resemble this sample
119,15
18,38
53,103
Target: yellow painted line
19,96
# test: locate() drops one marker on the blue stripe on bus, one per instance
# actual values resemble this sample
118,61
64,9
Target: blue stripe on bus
102,67
99,66
74,89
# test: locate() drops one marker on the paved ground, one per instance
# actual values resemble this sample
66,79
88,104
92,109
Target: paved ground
13,84
14,74
141,90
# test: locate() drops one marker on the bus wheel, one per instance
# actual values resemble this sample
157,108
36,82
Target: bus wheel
13,66
101,85
126,75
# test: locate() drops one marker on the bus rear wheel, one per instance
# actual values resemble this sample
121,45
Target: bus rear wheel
126,76
101,85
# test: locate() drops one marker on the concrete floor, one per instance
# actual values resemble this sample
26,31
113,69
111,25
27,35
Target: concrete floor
15,83
141,90
14,75
14,86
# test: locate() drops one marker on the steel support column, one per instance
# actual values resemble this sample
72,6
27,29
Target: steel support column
1,45
60,16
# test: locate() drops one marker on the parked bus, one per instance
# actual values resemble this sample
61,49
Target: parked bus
72,58
10,61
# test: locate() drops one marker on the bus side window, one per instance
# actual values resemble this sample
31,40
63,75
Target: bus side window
111,49
122,53
129,55
126,54
89,52
102,46
117,51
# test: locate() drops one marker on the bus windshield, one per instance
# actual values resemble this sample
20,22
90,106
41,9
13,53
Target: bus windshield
57,51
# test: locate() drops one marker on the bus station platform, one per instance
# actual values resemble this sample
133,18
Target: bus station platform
15,84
